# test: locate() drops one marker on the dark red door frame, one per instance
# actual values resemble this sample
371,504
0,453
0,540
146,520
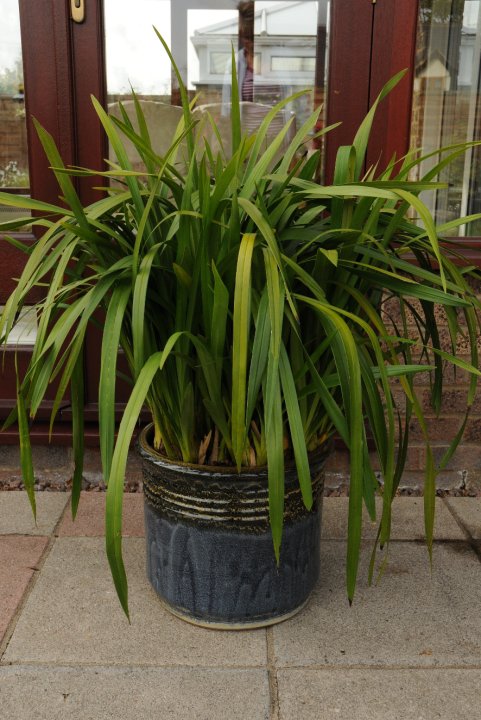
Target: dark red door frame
88,54
47,63
63,64
45,33
369,43
88,78
393,49
348,67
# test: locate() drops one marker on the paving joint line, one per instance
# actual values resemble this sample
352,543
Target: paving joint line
64,512
106,665
395,667
414,540
52,537
272,676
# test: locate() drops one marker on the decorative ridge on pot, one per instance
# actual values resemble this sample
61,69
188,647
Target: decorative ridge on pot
216,495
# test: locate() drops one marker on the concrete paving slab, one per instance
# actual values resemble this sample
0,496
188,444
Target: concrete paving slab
90,519
407,520
314,694
42,693
409,618
468,510
16,515
73,616
18,559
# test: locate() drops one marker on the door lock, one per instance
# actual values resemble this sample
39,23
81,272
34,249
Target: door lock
77,10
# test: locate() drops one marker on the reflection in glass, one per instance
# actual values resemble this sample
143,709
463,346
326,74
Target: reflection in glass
24,332
275,51
279,48
292,63
447,107
13,133
134,56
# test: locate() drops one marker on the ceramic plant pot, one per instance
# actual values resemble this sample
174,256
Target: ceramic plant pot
210,556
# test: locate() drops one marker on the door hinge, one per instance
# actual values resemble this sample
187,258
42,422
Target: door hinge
77,10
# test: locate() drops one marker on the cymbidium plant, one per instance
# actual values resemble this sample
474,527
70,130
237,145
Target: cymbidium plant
248,301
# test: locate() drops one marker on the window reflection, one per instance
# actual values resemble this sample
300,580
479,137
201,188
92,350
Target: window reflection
134,56
275,51
447,108
13,133
279,48
24,332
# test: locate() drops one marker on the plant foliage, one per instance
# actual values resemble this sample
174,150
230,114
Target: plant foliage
248,301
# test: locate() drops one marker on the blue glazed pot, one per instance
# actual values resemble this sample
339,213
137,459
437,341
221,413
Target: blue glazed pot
210,556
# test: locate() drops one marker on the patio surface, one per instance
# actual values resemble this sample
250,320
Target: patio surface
408,649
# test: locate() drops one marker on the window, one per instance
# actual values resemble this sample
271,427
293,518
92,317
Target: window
219,63
292,63
447,102
14,174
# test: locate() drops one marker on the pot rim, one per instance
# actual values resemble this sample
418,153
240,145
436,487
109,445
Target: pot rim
146,448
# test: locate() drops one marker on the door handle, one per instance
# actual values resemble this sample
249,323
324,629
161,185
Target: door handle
77,10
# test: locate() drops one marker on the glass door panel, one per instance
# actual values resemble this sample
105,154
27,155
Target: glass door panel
24,332
13,131
279,49
447,105
134,56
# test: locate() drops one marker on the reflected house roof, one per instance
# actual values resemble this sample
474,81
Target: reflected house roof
447,52
434,65
285,32
286,18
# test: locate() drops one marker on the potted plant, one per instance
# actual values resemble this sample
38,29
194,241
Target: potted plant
248,301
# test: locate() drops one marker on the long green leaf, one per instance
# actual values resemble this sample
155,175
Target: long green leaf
77,400
114,498
242,300
108,366
275,455
361,139
296,427
25,450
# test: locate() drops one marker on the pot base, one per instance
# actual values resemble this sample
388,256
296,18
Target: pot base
214,625
225,579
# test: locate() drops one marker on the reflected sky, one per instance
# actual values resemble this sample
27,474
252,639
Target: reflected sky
134,55
10,44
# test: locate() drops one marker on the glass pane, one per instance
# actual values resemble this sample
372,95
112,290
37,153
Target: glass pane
447,106
134,56
292,63
279,49
13,132
24,332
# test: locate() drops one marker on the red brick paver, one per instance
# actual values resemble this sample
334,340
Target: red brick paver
19,556
90,520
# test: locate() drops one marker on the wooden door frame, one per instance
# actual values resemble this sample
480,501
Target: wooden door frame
45,36
377,50
63,65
